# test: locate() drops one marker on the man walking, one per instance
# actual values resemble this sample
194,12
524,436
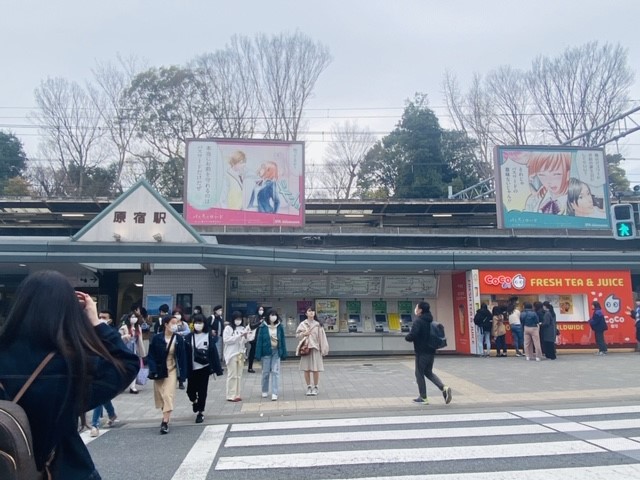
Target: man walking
425,355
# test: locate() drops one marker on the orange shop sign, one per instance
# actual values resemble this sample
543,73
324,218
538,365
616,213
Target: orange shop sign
558,281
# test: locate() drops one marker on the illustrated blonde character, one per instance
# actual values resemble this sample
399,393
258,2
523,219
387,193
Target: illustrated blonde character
549,181
580,201
264,196
233,189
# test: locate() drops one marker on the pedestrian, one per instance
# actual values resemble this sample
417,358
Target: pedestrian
254,323
548,331
635,315
216,323
202,361
537,308
163,311
484,320
516,328
104,315
499,332
131,334
271,348
167,363
530,321
312,363
598,325
89,366
235,338
425,355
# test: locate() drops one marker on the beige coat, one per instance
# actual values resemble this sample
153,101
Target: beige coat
126,338
317,337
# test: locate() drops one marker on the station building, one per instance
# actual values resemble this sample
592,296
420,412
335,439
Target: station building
362,264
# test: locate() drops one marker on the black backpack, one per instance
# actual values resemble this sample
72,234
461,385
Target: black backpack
17,461
437,336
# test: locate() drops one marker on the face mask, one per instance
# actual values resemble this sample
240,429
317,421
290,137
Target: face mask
238,322
178,317
219,313
198,327
173,328
133,320
261,311
273,318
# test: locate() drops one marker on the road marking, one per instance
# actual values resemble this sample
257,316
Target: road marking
606,472
197,463
368,436
576,412
614,424
356,422
378,456
616,444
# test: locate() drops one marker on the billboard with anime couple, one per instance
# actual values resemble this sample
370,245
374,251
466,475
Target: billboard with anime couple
244,182
551,187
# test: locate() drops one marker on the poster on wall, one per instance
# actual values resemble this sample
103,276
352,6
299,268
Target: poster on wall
301,307
327,311
551,187
244,182
153,302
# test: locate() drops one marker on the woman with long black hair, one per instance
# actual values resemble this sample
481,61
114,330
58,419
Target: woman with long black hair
90,365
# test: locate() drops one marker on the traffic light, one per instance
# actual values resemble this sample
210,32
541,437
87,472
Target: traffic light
622,222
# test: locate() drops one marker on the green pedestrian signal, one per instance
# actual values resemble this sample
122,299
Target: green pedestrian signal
622,221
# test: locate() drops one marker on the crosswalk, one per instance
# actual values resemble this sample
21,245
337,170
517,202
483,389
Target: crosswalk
573,443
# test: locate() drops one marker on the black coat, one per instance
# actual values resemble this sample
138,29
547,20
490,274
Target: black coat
49,402
214,360
419,334
157,357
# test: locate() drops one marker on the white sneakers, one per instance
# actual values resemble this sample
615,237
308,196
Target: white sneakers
314,391
265,394
94,432
274,397
309,391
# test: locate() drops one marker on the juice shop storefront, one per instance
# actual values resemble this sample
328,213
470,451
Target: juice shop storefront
571,294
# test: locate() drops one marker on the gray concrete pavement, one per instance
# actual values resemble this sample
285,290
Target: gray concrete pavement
352,385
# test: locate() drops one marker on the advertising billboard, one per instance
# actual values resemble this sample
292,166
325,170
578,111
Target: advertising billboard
551,187
244,182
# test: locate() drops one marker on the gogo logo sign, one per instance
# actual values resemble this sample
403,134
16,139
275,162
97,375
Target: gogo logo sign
517,281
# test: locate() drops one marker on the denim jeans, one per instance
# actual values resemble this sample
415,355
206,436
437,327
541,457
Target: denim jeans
271,365
518,336
97,413
486,341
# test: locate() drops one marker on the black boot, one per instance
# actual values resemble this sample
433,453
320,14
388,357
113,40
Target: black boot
164,428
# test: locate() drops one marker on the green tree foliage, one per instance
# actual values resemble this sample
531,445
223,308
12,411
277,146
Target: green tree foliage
618,181
13,160
418,159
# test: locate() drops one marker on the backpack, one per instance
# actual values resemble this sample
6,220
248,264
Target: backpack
437,336
17,461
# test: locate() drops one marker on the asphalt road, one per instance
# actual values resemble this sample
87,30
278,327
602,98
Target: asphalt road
581,442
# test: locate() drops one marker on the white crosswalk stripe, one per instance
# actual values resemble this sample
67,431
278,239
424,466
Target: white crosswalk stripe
568,444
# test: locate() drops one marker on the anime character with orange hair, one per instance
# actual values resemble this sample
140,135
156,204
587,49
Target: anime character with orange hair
549,181
265,191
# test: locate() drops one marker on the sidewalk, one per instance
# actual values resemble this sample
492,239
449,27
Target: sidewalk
351,385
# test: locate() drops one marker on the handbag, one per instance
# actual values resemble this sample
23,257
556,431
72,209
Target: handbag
303,347
143,375
200,355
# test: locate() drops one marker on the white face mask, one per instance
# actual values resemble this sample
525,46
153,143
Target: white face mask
261,311
173,328
238,322
198,327
133,320
178,316
273,318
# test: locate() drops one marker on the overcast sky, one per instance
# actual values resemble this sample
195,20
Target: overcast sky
383,51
